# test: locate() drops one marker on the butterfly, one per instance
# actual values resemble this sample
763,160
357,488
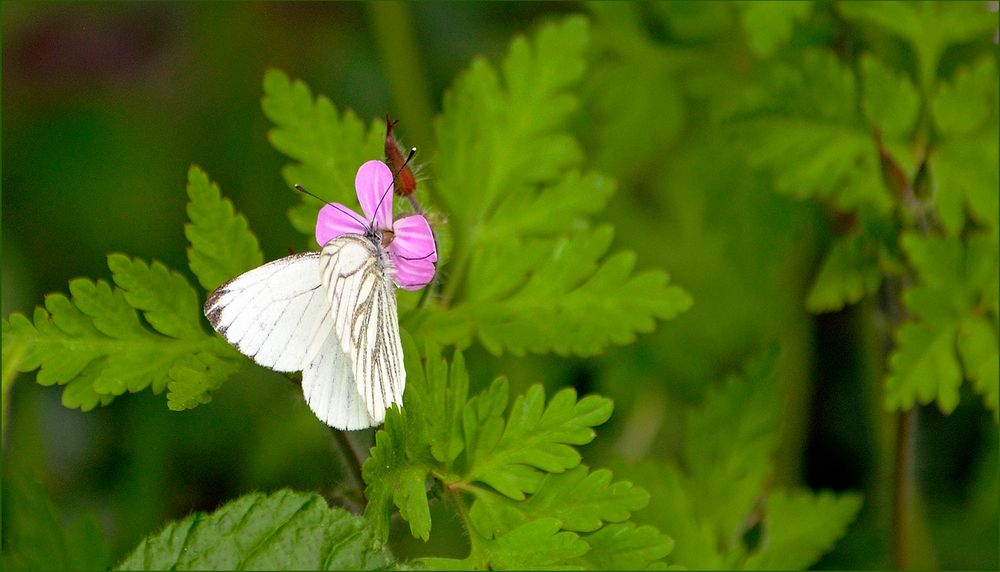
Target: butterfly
332,314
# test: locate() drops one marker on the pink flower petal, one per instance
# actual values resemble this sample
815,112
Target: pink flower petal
412,274
334,220
374,185
413,239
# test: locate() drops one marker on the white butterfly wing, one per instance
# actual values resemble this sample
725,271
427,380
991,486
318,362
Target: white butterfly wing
278,315
363,297
329,389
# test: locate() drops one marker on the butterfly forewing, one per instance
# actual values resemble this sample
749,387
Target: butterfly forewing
355,271
277,314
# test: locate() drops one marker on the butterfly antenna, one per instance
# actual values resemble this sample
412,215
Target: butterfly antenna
413,151
347,212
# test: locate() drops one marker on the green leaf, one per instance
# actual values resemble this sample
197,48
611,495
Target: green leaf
580,499
964,106
977,344
222,246
168,302
36,539
194,377
966,162
282,531
805,128
518,279
626,547
849,272
510,457
98,347
956,285
674,509
729,442
800,527
393,479
924,367
889,99
768,25
929,27
328,146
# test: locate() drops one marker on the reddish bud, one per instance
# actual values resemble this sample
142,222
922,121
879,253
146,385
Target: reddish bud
405,182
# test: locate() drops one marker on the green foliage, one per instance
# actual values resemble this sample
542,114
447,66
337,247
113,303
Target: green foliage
517,278
955,308
36,539
282,531
329,146
929,27
769,24
806,129
800,527
222,245
146,330
532,500
708,504
965,113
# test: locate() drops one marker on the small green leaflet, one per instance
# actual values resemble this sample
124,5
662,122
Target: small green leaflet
285,530
953,330
222,246
768,25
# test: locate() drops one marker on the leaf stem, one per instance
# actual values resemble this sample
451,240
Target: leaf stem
352,462
904,489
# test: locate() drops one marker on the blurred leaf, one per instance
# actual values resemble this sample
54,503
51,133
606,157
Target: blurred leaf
222,246
889,99
729,442
35,538
626,547
328,146
964,106
805,128
956,284
968,160
929,27
674,509
849,272
282,531
977,345
799,527
768,25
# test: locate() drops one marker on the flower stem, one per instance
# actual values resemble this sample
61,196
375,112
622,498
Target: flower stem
904,490
351,461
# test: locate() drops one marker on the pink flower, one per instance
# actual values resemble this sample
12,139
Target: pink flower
408,241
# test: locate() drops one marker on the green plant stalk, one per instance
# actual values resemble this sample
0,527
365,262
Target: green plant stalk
393,27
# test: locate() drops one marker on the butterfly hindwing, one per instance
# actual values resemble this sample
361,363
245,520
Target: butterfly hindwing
329,388
363,300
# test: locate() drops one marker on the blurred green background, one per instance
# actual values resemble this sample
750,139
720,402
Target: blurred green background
106,105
